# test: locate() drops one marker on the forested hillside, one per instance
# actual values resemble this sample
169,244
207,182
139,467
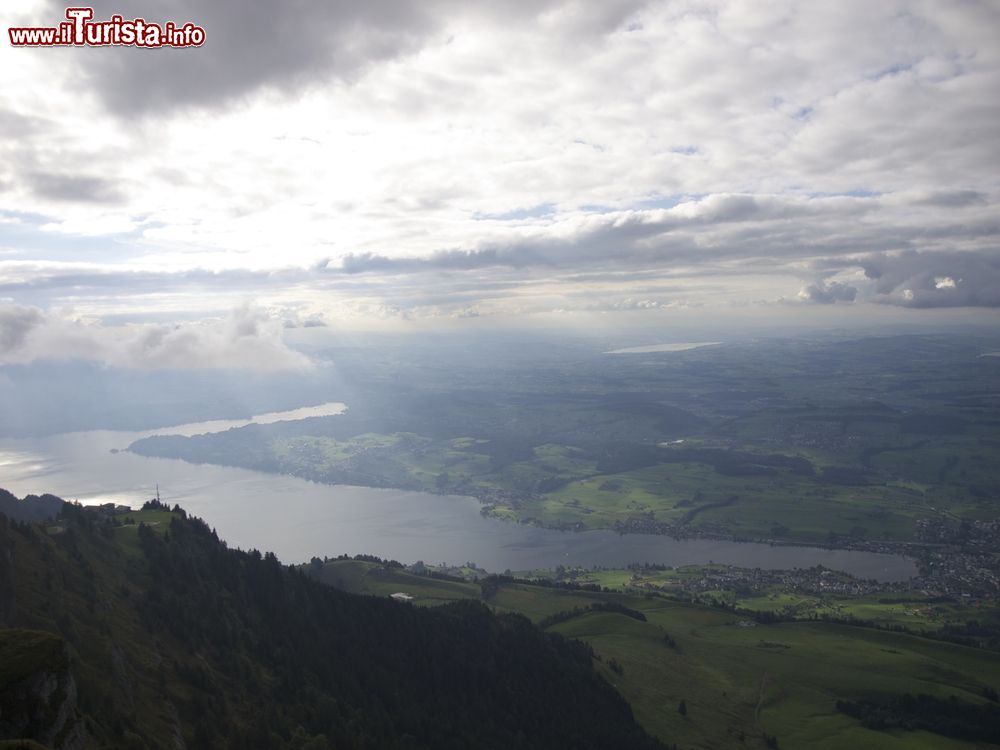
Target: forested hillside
173,640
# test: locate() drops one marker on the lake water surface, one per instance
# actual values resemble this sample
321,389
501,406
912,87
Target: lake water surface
297,518
679,347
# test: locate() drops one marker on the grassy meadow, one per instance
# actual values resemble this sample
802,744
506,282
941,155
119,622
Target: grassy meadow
739,679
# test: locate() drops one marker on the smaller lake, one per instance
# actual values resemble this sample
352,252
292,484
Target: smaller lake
663,347
328,409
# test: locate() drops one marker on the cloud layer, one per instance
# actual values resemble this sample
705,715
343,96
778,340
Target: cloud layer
247,338
390,160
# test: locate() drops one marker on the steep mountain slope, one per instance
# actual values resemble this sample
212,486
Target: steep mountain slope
176,641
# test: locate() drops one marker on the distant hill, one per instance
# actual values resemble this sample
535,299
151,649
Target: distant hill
173,640
31,508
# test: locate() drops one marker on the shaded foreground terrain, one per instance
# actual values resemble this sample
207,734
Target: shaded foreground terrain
144,631
141,629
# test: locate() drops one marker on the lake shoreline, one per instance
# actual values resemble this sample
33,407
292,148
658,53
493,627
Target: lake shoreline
909,550
298,518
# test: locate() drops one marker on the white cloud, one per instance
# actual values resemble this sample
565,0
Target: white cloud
247,338
828,293
462,160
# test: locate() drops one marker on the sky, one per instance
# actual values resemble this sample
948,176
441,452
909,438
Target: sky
357,165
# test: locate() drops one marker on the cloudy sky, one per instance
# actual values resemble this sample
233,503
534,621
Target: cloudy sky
395,163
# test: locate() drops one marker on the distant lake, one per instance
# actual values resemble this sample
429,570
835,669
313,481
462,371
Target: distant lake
328,409
663,347
297,518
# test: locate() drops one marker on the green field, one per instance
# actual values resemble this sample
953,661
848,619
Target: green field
360,577
562,485
790,597
780,679
738,678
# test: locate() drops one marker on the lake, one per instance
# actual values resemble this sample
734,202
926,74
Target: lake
652,348
298,519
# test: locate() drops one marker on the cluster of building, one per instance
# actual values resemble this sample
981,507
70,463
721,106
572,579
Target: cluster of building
110,509
960,558
813,581
966,534
959,574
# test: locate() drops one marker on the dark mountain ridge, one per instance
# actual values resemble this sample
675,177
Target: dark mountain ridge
31,507
174,640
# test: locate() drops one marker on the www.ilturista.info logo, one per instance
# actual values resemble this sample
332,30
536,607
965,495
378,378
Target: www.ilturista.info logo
81,31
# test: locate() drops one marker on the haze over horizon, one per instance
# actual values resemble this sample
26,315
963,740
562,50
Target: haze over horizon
653,165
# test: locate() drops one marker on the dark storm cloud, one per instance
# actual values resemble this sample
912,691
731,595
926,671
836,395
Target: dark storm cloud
249,44
253,44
